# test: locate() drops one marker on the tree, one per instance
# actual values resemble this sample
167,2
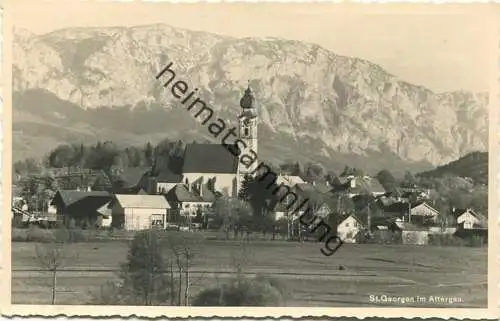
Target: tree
409,180
387,180
184,249
148,154
143,274
52,256
228,214
243,193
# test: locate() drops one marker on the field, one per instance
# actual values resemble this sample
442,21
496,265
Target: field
311,278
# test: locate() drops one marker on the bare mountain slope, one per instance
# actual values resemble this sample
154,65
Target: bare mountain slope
313,104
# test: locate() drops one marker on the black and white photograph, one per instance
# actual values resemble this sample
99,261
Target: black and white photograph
259,155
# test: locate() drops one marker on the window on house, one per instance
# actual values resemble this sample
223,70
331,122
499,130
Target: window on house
186,206
157,220
246,131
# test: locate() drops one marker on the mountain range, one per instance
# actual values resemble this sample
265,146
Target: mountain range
89,84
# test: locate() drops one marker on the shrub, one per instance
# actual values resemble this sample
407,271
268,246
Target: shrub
445,240
69,236
19,235
475,240
36,234
250,292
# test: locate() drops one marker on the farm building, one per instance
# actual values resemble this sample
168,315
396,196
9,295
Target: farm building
421,212
188,199
348,228
79,206
356,185
411,233
468,218
164,182
132,179
138,212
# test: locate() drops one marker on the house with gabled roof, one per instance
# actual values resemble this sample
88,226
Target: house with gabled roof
189,199
356,185
467,218
421,212
139,212
133,179
164,181
80,206
348,227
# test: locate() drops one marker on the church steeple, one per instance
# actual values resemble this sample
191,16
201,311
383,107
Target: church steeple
246,102
247,131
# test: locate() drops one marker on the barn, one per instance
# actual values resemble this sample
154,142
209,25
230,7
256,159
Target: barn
139,212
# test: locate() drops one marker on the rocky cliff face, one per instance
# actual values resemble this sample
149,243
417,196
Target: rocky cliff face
310,100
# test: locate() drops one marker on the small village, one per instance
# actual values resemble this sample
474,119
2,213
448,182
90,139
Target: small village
170,202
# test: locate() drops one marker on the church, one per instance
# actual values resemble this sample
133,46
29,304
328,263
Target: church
215,164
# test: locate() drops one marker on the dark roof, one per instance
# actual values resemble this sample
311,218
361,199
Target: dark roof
70,197
364,184
209,158
80,201
167,176
406,226
132,176
181,193
339,218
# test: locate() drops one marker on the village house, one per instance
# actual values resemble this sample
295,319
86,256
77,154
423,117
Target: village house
164,182
80,207
356,185
131,180
468,218
348,228
420,213
139,212
188,200
411,234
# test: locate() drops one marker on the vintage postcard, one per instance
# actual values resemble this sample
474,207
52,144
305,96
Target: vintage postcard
298,159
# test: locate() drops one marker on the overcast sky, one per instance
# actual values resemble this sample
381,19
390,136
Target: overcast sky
442,52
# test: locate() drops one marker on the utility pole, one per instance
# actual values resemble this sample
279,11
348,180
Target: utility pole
409,211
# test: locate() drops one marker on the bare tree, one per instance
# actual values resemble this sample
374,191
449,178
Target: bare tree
184,250
52,256
240,259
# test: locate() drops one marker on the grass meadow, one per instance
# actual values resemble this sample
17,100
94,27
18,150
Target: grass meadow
311,278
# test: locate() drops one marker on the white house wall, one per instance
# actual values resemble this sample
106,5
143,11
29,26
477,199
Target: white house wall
348,229
224,183
139,218
166,186
468,219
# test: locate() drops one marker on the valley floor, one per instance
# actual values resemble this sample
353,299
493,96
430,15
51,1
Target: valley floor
311,278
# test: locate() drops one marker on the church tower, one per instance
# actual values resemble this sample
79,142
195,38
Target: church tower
247,122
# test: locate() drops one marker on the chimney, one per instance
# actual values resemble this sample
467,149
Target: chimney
353,183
